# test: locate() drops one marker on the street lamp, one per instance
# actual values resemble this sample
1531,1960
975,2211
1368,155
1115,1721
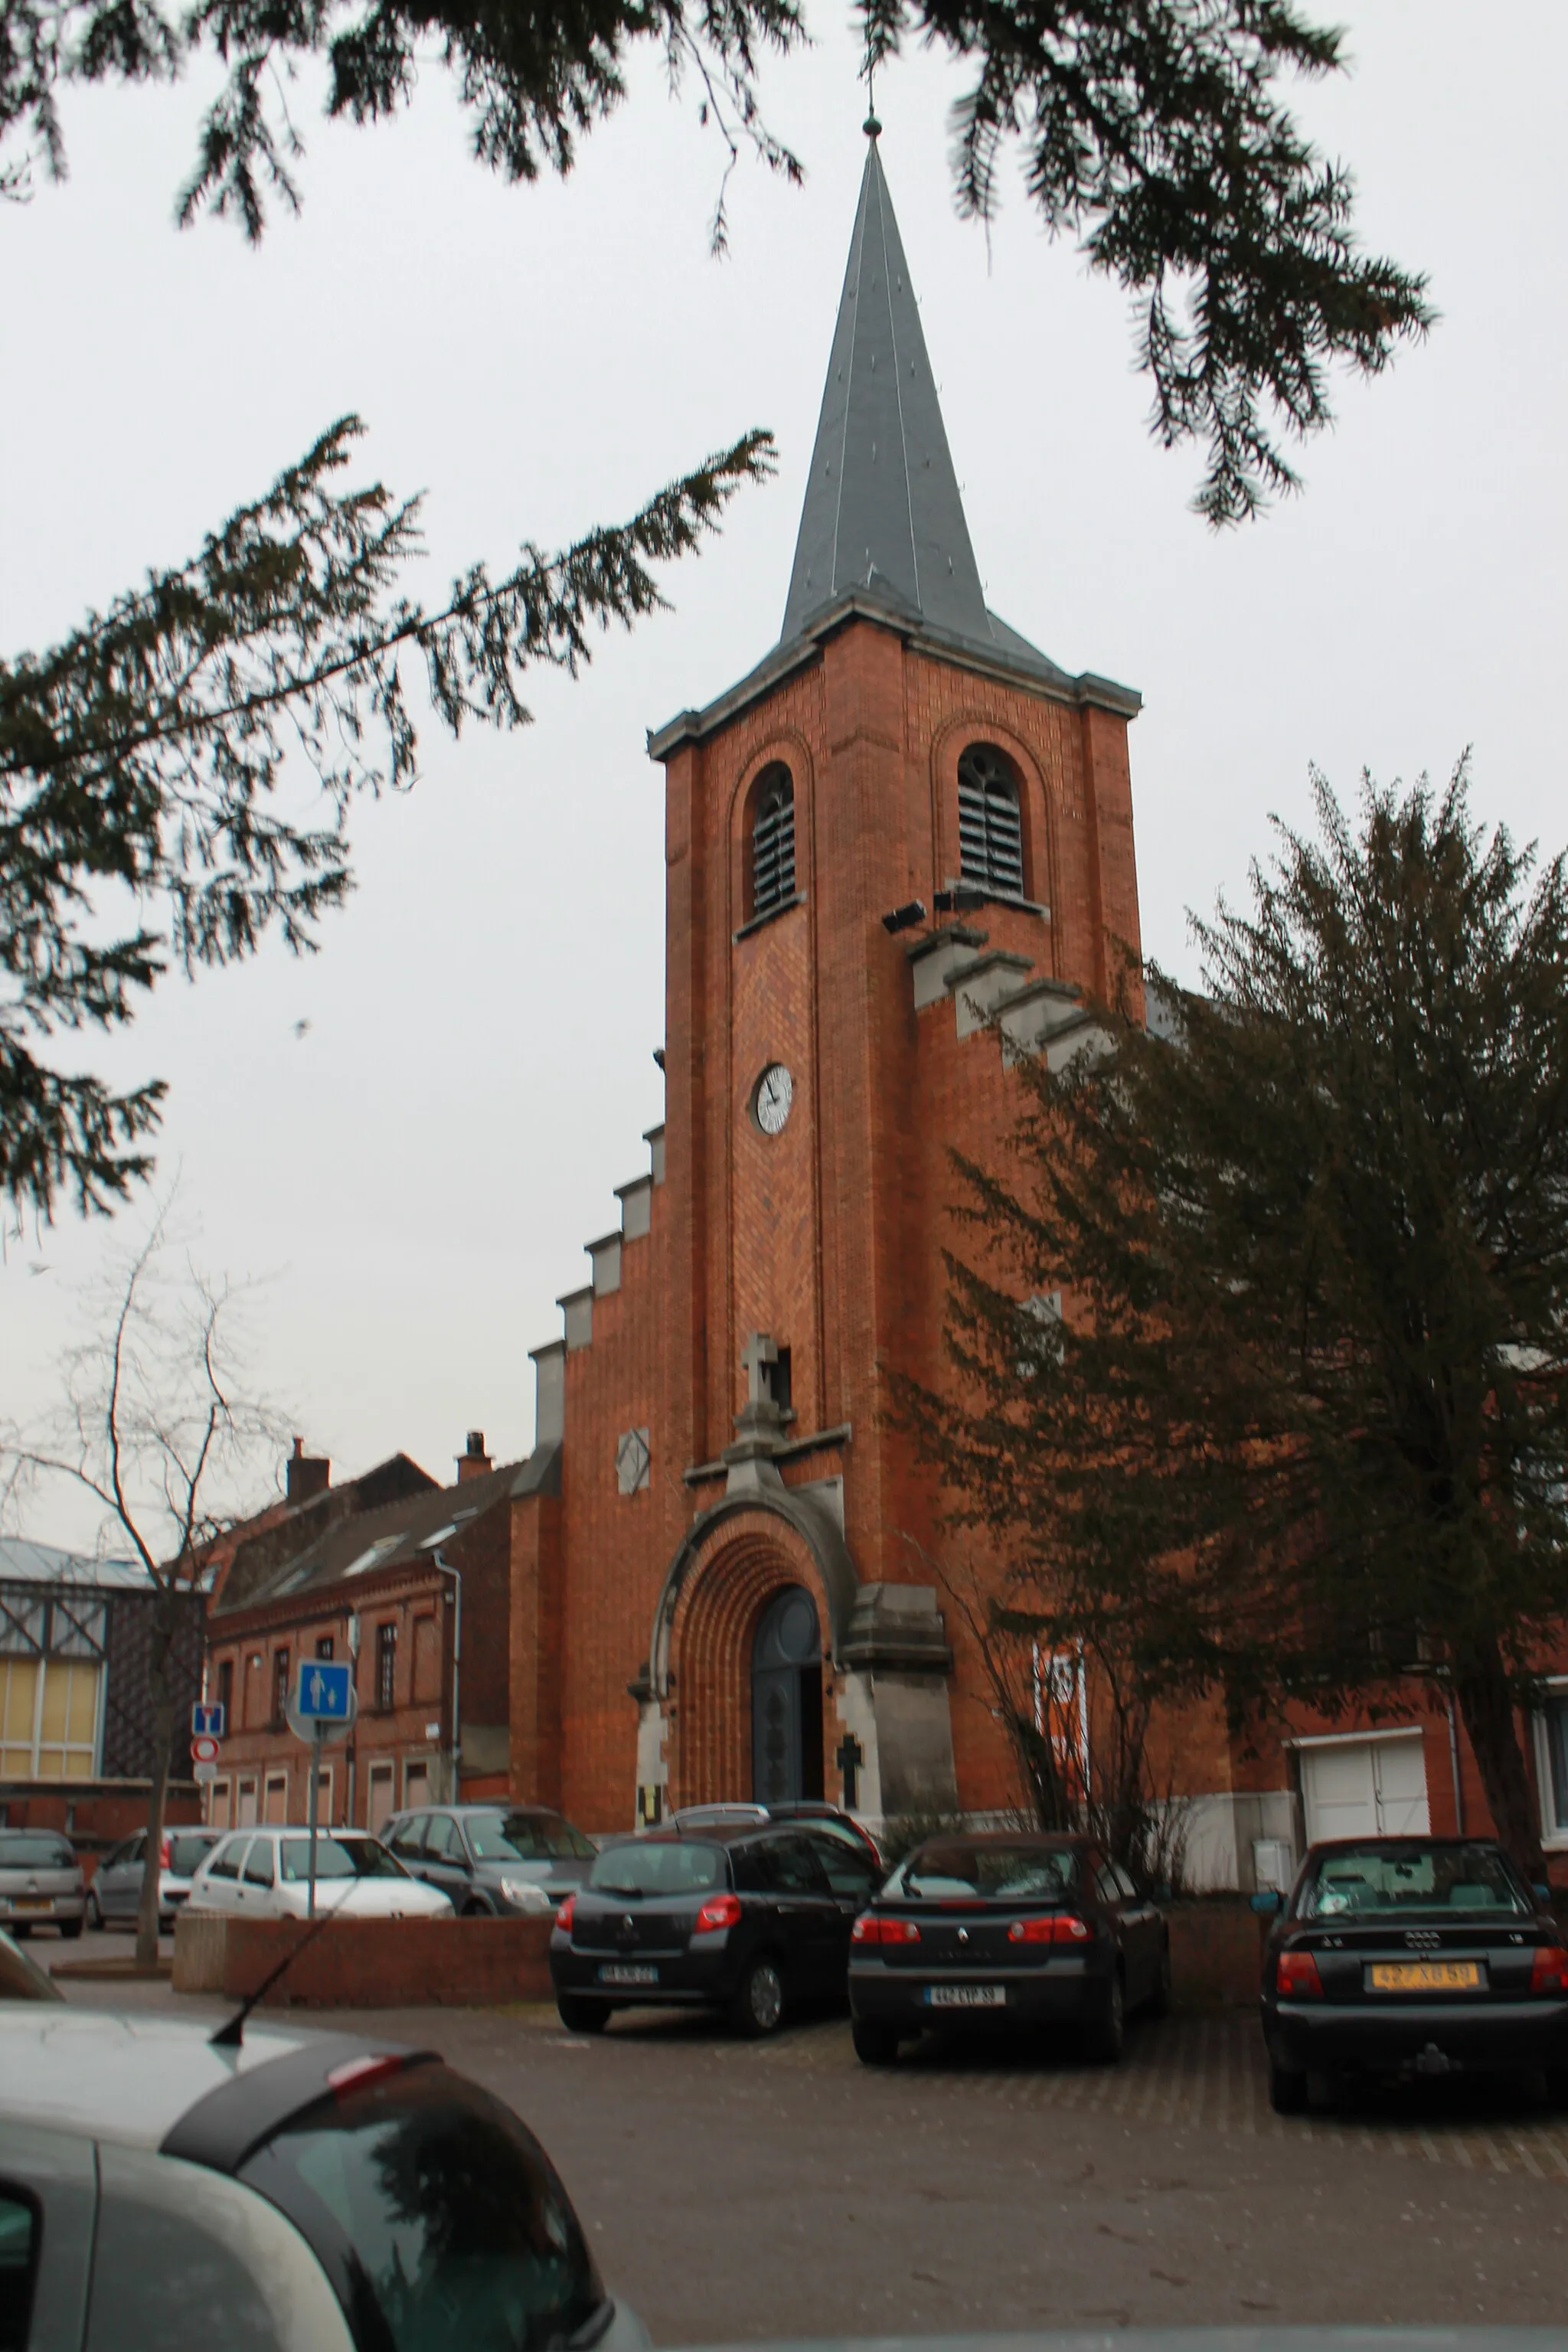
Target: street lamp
442,1568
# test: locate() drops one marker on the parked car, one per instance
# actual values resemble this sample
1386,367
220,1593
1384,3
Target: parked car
21,1977
1409,1956
114,1899
304,2190
811,1812
40,1883
494,1861
264,1874
750,1918
1005,1930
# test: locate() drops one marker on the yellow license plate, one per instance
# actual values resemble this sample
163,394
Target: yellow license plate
1426,1976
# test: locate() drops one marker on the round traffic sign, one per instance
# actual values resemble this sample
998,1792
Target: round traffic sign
204,1748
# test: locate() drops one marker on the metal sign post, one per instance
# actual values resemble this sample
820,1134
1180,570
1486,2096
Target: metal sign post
323,1705
316,1738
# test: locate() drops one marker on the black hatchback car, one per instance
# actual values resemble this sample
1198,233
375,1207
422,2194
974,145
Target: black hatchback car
750,1920
1007,1930
1408,1956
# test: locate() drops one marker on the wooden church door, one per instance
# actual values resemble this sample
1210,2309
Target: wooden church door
786,1700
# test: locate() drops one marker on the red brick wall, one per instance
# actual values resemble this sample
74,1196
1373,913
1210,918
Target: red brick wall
828,1237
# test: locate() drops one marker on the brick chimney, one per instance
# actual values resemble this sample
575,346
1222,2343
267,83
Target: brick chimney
473,1461
306,1474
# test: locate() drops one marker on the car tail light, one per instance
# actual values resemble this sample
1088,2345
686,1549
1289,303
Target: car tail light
1054,1927
1296,1977
872,1928
163,1854
358,2074
563,1917
718,1911
1548,1969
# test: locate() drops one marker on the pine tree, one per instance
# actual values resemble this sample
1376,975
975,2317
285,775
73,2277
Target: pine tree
1302,1427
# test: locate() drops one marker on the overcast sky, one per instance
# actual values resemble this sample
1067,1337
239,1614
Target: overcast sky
406,1140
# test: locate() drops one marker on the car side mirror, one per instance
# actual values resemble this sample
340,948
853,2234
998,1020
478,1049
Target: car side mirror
1267,1901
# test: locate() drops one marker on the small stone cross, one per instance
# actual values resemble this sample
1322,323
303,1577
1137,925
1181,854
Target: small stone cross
849,1756
757,1354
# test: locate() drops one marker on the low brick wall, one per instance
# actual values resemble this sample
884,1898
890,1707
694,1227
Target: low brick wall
1216,1949
368,1963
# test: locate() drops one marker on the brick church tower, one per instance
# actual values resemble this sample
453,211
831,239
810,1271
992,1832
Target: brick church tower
898,855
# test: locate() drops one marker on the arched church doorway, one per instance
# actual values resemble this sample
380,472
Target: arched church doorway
786,1699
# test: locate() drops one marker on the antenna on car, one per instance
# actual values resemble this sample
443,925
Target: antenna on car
230,2035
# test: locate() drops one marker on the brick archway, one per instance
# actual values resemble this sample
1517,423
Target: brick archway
721,1599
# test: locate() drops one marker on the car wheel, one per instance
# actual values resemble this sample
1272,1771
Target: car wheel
1107,2040
1160,1998
758,2005
71,1928
94,1914
1286,2090
476,1911
20,1930
875,2046
580,2016
1557,2087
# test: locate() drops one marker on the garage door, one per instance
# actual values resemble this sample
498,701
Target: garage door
1366,1788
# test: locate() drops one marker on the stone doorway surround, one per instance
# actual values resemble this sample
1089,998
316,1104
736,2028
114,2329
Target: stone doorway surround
886,1659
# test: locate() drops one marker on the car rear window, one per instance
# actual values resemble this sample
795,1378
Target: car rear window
1354,1880
956,1867
360,1857
187,1851
427,2198
644,1866
527,1837
34,1850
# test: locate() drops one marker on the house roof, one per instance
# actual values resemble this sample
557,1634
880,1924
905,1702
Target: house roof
407,1529
24,1562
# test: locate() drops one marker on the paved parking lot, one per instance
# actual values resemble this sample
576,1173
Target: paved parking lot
740,2191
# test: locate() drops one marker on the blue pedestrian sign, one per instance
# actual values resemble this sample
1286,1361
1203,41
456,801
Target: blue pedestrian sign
207,1719
324,1692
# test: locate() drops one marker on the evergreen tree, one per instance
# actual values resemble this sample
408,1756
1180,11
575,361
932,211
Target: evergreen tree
1154,132
149,764
1303,1425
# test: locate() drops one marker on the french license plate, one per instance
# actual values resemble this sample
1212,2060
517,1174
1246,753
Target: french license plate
1426,1976
626,1972
966,1996
31,1903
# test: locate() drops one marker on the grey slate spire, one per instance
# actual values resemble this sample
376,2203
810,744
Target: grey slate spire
882,510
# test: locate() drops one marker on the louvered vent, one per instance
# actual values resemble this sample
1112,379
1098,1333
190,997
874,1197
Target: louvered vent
989,827
773,842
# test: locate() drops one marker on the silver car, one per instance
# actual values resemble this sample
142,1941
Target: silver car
114,1899
294,2192
40,1883
493,1860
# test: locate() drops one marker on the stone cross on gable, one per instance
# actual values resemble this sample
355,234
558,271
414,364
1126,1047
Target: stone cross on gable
756,1356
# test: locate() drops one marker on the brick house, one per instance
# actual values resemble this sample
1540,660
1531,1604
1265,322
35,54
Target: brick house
899,857
372,1570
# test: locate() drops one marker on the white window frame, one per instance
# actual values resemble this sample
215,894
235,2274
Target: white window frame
1553,1836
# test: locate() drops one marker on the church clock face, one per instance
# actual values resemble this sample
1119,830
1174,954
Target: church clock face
771,1103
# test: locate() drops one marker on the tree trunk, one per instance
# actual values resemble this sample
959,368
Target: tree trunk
162,1684
1487,1706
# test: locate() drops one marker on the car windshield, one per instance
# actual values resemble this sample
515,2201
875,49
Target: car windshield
187,1853
37,1851
338,1857
526,1837
429,2198
1373,1879
960,1867
668,1867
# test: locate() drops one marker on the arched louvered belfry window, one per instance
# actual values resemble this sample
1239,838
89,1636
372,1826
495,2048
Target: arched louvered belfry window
990,821
772,840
